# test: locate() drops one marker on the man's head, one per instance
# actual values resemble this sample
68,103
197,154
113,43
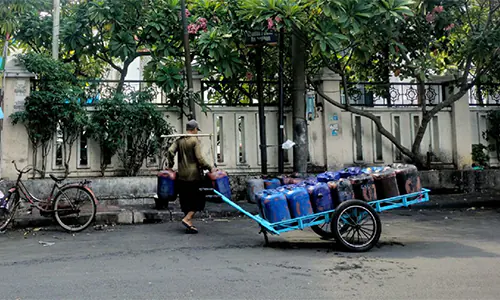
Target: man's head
192,127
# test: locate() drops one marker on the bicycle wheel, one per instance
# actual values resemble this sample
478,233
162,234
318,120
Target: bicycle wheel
74,208
7,213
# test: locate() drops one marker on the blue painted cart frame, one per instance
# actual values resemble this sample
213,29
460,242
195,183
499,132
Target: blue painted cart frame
326,216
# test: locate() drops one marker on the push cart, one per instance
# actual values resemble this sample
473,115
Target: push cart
354,224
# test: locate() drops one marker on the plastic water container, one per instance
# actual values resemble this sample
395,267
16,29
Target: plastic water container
290,179
364,188
320,196
273,206
328,176
350,172
299,202
386,184
253,187
220,182
272,184
408,179
165,188
341,190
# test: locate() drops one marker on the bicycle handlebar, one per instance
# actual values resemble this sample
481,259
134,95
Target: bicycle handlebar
23,171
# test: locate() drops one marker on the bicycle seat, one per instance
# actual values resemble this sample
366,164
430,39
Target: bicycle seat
55,178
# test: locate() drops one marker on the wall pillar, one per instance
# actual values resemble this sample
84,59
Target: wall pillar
336,123
15,142
461,133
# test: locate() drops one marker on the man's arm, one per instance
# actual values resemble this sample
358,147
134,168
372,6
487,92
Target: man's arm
171,155
201,161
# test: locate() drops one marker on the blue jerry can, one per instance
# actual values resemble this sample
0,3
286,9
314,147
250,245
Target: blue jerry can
299,202
274,206
341,190
165,188
321,199
328,176
272,184
220,182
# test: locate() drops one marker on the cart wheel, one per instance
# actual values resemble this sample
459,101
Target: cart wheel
324,230
356,226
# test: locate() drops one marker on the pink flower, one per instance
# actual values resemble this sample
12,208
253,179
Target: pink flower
202,23
438,9
277,19
193,28
187,14
249,76
449,27
270,23
430,18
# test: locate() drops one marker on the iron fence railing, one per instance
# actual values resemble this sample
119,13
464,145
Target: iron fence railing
95,90
485,95
392,94
241,93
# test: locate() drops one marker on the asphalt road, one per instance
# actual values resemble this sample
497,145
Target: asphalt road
422,255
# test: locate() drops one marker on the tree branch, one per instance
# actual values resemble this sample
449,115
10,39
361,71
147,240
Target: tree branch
365,114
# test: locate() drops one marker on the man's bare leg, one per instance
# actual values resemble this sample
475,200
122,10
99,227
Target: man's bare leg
188,218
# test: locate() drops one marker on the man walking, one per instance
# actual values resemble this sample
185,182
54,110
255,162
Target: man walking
190,164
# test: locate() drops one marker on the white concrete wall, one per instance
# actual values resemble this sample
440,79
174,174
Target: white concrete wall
445,135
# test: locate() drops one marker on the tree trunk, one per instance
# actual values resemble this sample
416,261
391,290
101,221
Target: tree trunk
301,151
123,75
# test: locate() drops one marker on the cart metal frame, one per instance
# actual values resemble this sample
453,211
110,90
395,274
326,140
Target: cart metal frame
316,219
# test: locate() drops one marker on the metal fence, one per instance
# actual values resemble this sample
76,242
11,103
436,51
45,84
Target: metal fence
95,90
240,93
392,94
485,95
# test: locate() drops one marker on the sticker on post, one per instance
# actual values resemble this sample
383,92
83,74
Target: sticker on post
287,145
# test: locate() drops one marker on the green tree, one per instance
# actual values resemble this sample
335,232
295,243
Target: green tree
425,38
54,103
106,126
142,127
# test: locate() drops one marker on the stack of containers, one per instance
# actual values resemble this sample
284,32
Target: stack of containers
293,197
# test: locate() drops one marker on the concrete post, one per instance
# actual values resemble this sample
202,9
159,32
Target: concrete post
15,142
461,133
336,124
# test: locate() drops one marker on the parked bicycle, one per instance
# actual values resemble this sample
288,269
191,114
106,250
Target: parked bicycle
73,205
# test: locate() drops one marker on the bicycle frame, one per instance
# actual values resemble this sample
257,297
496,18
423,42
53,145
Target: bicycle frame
21,189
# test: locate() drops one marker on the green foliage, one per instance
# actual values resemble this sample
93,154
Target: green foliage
106,127
479,156
142,127
53,104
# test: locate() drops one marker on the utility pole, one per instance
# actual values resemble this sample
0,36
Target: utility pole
56,10
281,126
187,58
301,150
262,116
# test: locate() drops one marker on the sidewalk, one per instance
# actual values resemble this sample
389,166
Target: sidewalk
144,214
